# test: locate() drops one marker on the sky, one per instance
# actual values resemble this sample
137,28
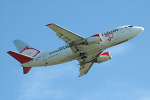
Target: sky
125,77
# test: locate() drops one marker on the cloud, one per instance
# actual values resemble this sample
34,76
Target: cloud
145,98
116,94
91,96
46,84
145,94
116,90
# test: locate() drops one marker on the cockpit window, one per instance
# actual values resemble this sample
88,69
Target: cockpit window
130,26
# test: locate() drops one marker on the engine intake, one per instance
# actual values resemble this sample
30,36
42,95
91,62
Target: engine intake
104,57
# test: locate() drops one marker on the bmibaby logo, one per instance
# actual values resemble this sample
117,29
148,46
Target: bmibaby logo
110,35
30,51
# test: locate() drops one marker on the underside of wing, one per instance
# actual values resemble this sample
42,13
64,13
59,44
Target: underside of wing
67,36
85,68
86,61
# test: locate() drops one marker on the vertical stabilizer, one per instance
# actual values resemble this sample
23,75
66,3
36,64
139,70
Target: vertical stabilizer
26,49
20,45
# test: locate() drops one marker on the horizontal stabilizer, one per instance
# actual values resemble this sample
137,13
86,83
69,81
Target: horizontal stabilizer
19,57
26,70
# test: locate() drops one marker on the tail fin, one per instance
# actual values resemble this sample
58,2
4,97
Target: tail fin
25,49
20,45
26,54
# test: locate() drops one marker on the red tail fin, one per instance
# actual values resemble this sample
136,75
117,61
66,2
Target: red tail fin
26,70
19,57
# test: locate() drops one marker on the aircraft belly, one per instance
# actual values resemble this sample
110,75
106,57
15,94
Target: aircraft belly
59,58
34,64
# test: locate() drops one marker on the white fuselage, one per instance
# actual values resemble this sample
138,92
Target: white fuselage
64,54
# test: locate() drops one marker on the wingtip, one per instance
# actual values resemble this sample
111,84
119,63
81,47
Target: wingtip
49,24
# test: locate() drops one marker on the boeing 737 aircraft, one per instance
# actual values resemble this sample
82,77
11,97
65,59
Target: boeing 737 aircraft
86,50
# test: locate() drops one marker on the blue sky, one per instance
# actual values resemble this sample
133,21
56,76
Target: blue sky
124,77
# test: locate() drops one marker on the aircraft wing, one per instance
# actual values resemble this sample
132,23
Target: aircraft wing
67,36
86,63
85,68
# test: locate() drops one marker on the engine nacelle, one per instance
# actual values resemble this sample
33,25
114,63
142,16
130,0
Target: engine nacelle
104,57
95,39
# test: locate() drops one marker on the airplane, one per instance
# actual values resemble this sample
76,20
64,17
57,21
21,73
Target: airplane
86,50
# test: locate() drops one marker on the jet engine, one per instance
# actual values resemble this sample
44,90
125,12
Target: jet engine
103,57
95,39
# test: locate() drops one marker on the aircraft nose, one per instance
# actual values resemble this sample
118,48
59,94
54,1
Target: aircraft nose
140,29
136,31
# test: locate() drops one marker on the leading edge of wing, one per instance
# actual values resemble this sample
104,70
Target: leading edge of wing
64,28
66,35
